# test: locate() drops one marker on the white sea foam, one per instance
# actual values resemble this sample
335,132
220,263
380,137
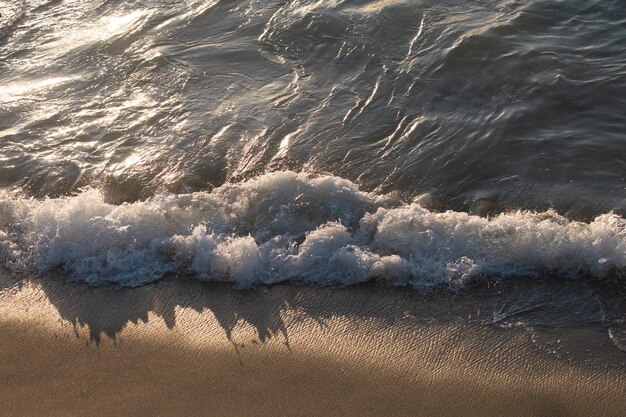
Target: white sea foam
285,226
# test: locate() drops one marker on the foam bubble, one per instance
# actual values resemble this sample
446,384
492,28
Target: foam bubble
294,227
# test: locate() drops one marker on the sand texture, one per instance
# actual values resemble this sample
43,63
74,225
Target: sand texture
180,347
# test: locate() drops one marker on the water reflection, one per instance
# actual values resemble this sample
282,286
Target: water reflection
28,90
467,103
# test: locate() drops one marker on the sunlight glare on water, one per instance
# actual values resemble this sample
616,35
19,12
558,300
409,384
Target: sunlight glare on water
425,142
19,90
510,102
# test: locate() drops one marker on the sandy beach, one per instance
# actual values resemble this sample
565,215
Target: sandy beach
179,347
312,208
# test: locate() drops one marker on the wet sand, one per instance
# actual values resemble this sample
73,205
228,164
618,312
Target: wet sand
179,347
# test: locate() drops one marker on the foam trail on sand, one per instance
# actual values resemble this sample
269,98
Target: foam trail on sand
286,226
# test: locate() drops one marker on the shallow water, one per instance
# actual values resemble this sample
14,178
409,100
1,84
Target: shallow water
390,111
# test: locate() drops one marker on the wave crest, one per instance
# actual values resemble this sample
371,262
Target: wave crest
285,226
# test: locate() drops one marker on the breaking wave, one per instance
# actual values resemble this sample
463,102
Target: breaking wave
294,227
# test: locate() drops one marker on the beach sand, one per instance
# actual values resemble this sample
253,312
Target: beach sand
181,347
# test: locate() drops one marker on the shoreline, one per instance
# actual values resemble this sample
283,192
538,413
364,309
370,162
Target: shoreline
179,347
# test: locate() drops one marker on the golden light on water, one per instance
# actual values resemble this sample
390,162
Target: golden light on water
17,90
105,28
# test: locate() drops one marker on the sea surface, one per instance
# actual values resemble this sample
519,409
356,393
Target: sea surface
428,144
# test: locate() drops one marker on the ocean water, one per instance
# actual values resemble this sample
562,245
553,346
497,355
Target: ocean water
429,144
